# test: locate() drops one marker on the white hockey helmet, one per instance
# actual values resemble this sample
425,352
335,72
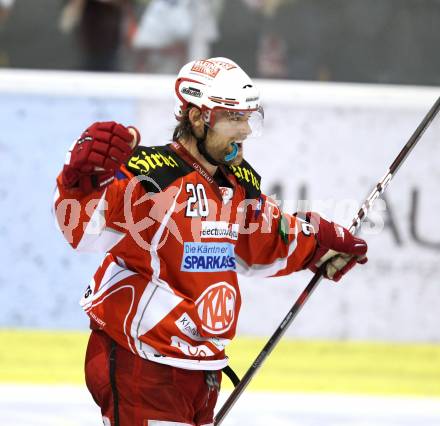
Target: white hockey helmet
216,84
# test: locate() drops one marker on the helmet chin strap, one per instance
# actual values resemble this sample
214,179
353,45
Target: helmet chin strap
202,148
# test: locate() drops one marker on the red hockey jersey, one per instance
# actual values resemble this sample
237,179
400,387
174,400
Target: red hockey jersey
175,238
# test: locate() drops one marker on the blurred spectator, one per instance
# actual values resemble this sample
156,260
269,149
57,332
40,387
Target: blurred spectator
392,41
174,32
249,34
299,38
272,52
377,41
100,26
240,27
279,38
5,7
30,38
406,43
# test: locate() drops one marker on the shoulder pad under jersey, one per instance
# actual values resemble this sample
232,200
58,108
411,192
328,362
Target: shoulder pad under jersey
248,178
160,164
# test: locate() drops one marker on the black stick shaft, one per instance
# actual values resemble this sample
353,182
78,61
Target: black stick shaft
304,296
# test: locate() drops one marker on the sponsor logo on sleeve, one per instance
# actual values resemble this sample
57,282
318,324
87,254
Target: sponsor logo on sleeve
98,320
208,257
219,230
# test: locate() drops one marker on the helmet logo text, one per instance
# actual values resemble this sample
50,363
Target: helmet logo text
206,67
191,91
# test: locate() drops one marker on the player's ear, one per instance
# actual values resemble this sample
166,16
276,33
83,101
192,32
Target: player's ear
195,117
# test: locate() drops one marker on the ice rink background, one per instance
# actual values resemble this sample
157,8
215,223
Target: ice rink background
72,406
325,142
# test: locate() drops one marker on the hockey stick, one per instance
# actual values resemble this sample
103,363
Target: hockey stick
304,296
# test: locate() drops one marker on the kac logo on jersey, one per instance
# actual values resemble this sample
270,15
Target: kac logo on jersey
208,257
216,307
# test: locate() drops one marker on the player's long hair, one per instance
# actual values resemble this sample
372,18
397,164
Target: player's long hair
183,128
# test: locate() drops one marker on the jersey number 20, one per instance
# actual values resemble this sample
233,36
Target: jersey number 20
197,204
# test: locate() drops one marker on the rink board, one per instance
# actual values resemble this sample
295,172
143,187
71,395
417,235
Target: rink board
329,143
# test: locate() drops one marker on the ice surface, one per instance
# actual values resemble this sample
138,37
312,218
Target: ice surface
26,405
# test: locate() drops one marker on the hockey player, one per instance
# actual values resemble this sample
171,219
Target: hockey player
177,222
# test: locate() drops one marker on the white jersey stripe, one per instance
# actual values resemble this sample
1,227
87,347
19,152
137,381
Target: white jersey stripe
189,364
128,312
159,290
97,237
56,196
155,304
155,260
270,269
112,276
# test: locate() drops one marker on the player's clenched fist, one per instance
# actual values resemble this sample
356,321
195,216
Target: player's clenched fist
92,162
337,249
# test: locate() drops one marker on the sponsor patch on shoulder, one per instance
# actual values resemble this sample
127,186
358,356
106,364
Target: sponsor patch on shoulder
219,230
208,257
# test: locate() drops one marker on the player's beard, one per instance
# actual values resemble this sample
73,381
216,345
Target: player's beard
219,150
239,158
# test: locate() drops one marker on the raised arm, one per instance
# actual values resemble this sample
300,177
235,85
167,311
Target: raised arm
91,185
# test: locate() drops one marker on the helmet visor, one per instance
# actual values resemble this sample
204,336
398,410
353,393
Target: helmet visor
237,124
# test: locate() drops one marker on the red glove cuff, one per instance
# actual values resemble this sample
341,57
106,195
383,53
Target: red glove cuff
337,250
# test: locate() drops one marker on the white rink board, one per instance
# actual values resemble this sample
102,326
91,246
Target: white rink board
332,140
28,405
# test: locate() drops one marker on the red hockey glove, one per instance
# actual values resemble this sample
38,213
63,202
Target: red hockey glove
337,248
92,162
